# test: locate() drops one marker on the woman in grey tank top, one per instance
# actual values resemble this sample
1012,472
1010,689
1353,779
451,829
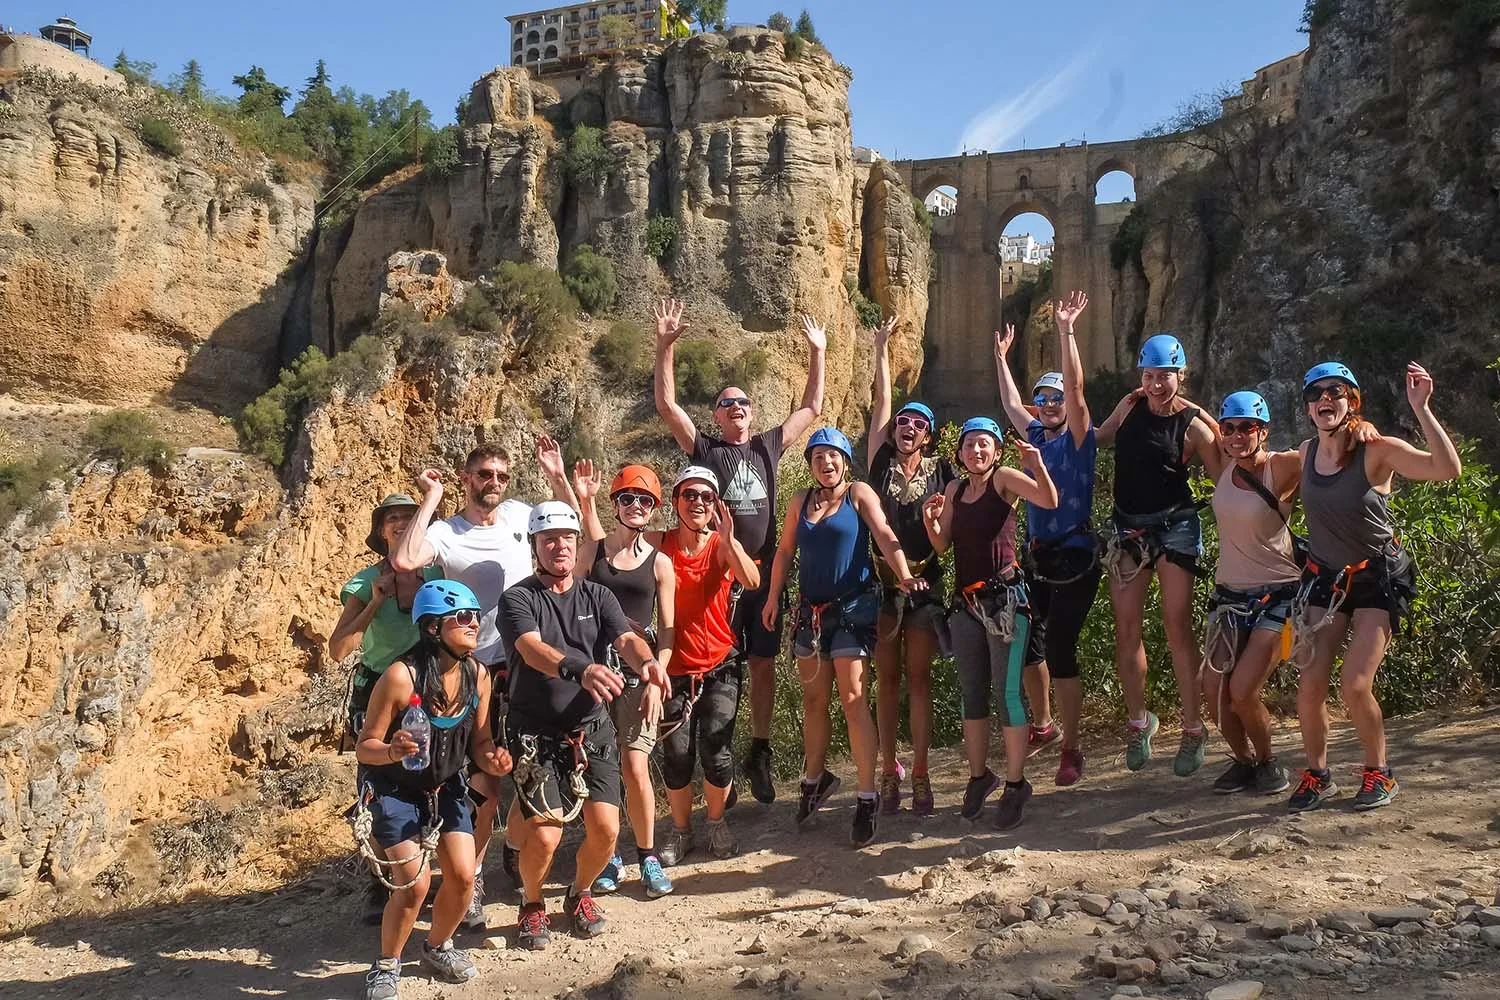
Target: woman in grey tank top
1359,582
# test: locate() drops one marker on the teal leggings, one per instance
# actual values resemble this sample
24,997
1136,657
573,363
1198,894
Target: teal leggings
986,667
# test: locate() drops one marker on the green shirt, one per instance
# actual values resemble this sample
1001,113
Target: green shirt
391,632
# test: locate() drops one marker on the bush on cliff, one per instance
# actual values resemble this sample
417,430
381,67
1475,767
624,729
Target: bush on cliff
130,438
591,279
699,372
266,426
624,353
159,135
661,237
588,161
543,312
23,479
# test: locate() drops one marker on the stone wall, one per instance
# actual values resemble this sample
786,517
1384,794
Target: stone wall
30,52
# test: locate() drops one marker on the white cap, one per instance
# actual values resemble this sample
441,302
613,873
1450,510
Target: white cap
552,515
1051,380
699,473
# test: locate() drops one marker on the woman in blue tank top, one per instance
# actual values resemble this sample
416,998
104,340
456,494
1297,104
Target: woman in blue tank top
832,524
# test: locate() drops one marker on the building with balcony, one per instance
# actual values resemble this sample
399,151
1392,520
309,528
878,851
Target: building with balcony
543,38
940,203
1024,249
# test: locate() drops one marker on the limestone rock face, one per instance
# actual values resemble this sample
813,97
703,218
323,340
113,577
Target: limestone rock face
420,281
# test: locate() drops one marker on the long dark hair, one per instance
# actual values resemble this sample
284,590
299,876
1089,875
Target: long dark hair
425,659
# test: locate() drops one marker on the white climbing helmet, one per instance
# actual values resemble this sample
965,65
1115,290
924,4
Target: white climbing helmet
552,515
697,472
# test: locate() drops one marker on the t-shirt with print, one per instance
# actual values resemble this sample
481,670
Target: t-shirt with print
1072,470
487,559
585,620
391,632
747,483
902,499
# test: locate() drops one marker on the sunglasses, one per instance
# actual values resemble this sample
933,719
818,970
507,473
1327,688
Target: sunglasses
913,421
698,496
1239,426
626,498
485,474
463,618
729,401
1336,390
1047,399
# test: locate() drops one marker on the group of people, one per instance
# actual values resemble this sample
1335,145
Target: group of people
547,649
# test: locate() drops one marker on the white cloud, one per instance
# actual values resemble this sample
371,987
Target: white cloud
995,126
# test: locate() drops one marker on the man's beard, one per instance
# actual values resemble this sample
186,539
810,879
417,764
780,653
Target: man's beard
484,501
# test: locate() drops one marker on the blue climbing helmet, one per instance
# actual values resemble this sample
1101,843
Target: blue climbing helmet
923,409
1329,369
1162,351
984,424
442,597
833,438
1245,405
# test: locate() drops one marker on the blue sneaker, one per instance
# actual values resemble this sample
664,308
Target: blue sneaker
609,879
654,878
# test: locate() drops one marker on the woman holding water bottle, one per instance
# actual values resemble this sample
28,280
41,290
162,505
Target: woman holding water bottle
428,714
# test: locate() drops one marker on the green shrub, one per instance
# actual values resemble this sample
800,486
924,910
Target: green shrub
661,237
441,154
589,162
924,217
591,279
267,425
278,173
748,368
130,438
159,135
1316,13
779,22
1125,245
542,310
22,481
795,47
700,374
259,190
476,312
624,352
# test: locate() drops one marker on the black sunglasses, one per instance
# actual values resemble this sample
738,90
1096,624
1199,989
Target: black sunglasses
695,496
729,401
1239,426
1313,393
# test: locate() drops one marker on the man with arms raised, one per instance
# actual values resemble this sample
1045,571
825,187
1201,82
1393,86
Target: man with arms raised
745,464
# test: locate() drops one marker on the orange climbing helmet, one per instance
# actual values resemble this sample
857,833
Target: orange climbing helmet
637,477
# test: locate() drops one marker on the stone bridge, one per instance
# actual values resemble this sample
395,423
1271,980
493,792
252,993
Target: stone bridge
994,188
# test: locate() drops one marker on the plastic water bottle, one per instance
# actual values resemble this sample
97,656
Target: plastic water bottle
419,729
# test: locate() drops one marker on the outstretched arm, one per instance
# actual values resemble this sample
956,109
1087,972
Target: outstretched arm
1074,404
1010,397
781,566
880,407
586,482
669,326
1442,462
549,458
1037,487
1105,435
812,395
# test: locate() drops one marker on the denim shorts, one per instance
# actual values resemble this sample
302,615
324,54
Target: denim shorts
400,812
1270,616
1179,533
844,628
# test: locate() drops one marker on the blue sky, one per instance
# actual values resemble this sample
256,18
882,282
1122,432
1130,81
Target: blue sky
929,77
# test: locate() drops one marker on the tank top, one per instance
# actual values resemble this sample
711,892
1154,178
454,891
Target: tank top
1150,474
449,748
703,637
1348,520
1255,547
835,552
984,537
635,589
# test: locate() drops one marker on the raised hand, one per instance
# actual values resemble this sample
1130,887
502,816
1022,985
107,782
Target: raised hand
723,522
669,324
549,458
882,333
1418,386
1004,340
586,479
1067,310
933,508
1031,458
816,335
430,482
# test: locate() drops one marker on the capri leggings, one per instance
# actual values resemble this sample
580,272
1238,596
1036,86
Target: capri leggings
983,662
1061,609
708,734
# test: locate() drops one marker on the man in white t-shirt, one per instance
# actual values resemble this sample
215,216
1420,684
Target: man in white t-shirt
485,547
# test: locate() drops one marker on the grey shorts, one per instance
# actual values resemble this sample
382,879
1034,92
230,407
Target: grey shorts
922,610
1268,607
839,628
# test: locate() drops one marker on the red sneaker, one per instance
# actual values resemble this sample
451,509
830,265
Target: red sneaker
1070,767
1043,738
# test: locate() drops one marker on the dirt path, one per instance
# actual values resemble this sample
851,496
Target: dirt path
804,913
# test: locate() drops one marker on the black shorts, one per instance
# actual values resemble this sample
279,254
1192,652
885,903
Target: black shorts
1388,584
555,763
751,635
922,609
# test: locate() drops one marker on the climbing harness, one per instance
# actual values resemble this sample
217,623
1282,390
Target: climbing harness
1037,549
1305,629
532,776
901,598
1011,600
362,821
1138,546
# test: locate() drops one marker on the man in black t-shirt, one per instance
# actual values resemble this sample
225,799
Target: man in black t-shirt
557,632
746,466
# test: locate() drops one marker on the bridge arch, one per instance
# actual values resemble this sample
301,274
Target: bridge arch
925,184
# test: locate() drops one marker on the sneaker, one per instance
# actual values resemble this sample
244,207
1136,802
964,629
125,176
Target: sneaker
586,916
678,846
609,879
1138,742
533,927
1376,790
1271,777
473,919
383,981
921,795
814,795
1239,776
510,863
450,964
1312,791
720,841
890,794
865,822
1043,738
758,769
1012,801
976,792
374,903
1070,767
1189,753
654,878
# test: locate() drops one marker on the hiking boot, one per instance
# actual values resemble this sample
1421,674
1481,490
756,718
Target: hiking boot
450,964
1070,767
654,878
1189,753
678,846
383,981
533,927
1239,776
976,792
586,916
1012,801
1042,738
1271,777
374,903
473,919
1312,791
720,841
758,770
1376,790
921,795
890,794
1138,742
865,822
815,794
510,863
609,879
